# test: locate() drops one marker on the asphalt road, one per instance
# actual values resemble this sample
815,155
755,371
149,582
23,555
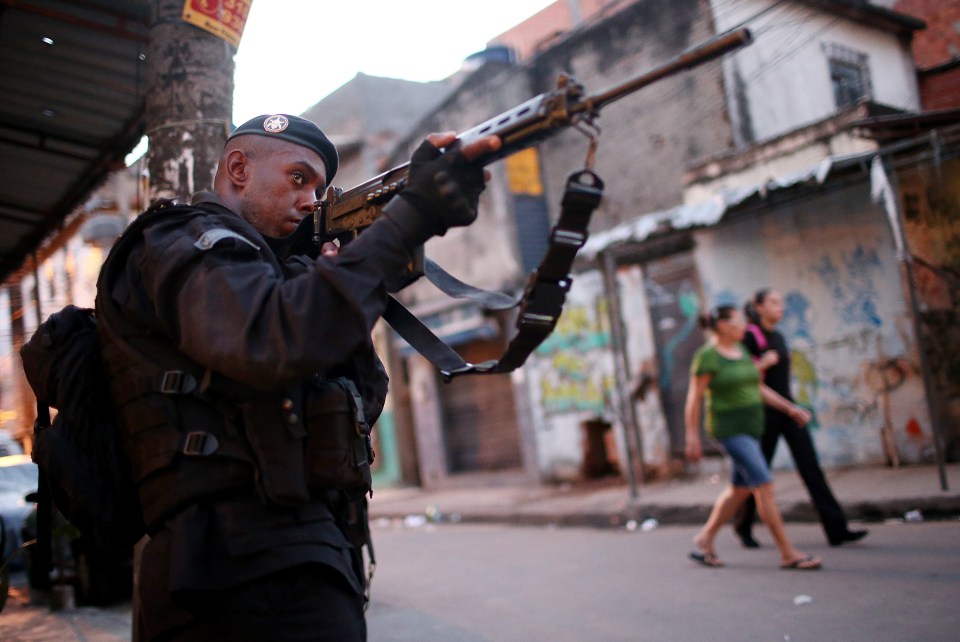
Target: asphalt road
478,583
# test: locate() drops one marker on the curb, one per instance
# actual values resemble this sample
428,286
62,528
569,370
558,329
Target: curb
930,508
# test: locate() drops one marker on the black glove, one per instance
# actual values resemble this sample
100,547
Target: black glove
444,190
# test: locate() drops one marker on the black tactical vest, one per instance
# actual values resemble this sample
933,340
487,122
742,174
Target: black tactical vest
193,434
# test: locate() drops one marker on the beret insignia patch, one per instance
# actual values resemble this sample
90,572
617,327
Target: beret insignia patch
275,124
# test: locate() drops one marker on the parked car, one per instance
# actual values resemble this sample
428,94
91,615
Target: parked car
9,445
18,477
98,576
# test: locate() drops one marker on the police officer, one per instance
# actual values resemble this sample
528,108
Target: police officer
245,382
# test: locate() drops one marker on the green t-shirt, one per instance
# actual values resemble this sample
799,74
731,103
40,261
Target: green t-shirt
733,402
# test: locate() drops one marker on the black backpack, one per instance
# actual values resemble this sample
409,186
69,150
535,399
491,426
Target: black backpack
79,454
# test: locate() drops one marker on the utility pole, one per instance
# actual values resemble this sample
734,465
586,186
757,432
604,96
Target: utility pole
188,104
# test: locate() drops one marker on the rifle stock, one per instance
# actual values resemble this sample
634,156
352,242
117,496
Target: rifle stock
343,214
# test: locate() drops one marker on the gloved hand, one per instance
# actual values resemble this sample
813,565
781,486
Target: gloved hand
444,190
445,186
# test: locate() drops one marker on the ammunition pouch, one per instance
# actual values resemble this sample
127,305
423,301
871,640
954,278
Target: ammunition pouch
339,447
311,442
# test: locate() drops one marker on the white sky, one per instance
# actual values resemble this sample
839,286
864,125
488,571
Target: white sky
295,52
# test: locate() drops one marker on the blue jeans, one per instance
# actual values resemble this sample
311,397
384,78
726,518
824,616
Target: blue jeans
749,468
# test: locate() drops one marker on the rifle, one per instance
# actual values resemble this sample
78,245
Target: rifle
343,214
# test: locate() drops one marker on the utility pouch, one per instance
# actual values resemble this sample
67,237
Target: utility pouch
277,436
339,447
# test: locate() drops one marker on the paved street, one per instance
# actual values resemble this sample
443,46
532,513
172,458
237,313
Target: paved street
478,583
493,582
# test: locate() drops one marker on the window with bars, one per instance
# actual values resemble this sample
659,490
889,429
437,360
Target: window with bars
849,74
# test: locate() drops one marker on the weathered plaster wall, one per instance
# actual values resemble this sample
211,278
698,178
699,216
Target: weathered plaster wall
641,355
647,137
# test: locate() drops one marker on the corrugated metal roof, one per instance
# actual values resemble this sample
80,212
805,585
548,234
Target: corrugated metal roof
72,78
711,211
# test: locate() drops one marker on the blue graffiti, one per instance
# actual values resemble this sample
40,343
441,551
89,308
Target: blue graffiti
853,291
795,323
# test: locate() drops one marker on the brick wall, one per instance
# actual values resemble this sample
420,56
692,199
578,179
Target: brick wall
940,41
531,35
941,89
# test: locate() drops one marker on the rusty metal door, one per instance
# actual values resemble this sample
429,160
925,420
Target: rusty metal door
479,421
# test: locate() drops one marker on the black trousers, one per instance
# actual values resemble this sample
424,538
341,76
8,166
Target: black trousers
309,602
804,456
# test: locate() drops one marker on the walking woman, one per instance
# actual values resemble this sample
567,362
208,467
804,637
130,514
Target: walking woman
764,311
724,375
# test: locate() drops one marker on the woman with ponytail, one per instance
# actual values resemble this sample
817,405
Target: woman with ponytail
770,350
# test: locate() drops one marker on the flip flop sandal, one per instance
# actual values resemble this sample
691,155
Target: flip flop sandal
706,559
808,563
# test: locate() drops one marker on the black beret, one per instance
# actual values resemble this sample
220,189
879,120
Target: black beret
295,130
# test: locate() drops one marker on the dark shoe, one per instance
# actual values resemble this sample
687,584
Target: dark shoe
846,538
746,538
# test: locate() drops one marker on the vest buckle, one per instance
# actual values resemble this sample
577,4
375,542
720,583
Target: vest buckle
199,444
176,382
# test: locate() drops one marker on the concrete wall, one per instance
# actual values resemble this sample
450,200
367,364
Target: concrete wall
484,254
782,80
646,137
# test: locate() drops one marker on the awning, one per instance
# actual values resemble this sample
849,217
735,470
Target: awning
711,211
72,77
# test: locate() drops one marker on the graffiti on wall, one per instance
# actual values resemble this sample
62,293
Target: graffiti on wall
689,307
851,285
574,378
849,380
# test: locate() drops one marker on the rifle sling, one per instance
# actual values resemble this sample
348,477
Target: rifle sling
454,287
541,302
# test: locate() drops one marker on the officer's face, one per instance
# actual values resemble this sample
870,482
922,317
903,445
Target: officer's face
284,182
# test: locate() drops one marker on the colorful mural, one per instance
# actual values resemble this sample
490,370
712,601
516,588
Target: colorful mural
572,380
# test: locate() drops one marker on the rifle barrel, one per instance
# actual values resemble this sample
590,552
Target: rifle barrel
713,48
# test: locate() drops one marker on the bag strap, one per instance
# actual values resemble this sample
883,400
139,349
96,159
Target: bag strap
42,562
540,304
758,334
